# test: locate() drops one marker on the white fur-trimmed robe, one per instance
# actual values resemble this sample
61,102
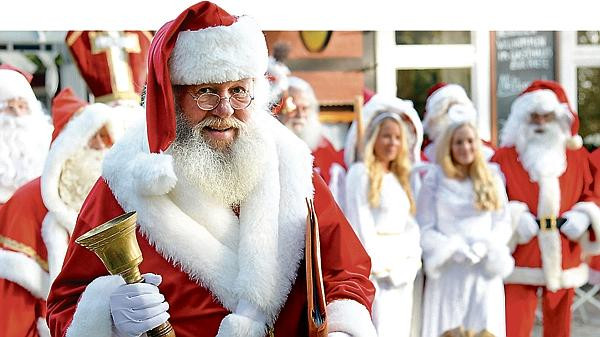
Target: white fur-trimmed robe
459,293
391,237
206,255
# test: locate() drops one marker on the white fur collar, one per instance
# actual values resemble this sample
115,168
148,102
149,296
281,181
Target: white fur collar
205,243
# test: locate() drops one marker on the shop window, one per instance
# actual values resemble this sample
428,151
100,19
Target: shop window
433,37
588,105
413,84
588,38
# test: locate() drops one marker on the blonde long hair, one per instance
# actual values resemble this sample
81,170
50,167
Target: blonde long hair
400,166
484,184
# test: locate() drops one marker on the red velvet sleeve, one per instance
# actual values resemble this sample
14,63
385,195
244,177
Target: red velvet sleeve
345,263
81,266
587,167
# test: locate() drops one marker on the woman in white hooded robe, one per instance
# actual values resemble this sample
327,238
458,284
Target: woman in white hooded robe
380,207
465,228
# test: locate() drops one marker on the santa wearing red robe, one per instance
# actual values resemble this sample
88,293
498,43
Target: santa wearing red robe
300,113
37,221
549,185
447,103
219,188
24,131
595,260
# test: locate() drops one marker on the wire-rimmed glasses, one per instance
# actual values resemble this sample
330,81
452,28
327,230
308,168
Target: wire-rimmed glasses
208,100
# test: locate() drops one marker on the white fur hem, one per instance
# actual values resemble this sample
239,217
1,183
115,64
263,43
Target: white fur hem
200,56
569,278
350,317
24,271
234,325
92,316
42,327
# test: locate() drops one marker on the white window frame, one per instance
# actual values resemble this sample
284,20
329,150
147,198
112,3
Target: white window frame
571,55
391,57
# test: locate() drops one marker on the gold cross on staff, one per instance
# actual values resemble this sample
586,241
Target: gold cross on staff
117,45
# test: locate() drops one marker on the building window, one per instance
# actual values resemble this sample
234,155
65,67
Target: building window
433,37
588,38
414,83
588,105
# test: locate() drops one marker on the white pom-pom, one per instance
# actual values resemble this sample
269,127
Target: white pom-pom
574,142
153,174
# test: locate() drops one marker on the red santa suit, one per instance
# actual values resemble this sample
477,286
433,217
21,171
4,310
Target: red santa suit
595,260
35,223
210,258
550,259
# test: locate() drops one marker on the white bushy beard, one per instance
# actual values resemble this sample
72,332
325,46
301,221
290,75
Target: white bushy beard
79,174
310,132
542,154
24,143
228,175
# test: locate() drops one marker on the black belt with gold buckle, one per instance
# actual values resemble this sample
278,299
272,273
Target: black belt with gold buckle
546,224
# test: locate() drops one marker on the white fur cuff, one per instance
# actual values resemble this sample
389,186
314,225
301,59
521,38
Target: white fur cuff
499,262
92,316
153,174
438,256
24,271
234,325
350,317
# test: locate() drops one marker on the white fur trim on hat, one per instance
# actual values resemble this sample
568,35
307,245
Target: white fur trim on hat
543,100
350,317
219,54
13,85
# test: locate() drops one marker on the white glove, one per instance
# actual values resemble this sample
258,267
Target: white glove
527,227
338,334
465,254
139,307
479,249
577,223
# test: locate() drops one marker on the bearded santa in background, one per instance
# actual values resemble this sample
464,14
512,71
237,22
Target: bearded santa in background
24,132
549,185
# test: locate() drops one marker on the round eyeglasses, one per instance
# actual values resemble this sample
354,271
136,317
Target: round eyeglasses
208,100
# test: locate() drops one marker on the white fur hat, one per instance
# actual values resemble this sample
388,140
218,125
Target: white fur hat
542,96
221,48
441,97
13,84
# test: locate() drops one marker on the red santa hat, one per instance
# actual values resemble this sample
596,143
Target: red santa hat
64,105
14,83
204,44
542,96
99,56
440,98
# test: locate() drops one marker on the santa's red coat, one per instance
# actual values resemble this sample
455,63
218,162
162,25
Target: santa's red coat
595,260
325,157
23,261
193,309
575,186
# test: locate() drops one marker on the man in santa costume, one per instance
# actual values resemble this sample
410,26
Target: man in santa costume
549,185
24,131
441,109
37,221
219,187
300,113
